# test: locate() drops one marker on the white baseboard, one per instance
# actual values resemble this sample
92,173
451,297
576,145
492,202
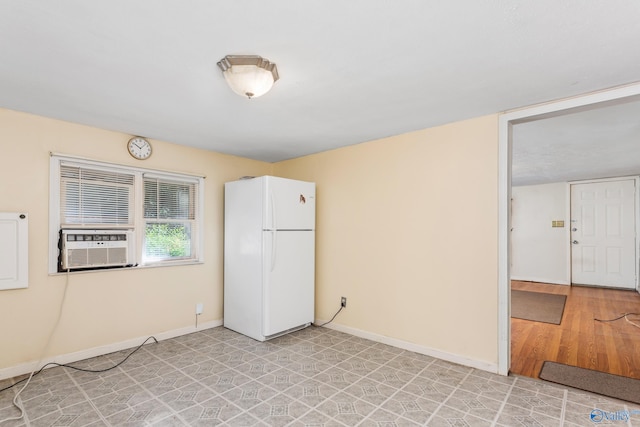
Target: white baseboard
27,368
405,345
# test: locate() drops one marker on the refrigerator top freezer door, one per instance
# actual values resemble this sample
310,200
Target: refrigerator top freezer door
288,204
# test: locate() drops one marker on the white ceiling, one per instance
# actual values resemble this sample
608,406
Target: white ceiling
599,143
350,71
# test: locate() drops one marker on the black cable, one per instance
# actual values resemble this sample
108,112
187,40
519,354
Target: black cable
82,369
334,316
617,318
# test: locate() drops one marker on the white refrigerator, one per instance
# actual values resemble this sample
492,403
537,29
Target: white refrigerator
269,256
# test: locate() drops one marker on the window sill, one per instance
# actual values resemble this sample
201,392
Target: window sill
135,267
169,264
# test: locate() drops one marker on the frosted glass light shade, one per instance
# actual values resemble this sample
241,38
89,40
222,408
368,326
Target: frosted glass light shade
248,75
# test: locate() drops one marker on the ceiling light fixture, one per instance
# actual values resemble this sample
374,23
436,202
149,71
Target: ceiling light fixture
248,75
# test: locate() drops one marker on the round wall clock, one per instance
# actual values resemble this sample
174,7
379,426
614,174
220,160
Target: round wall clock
139,148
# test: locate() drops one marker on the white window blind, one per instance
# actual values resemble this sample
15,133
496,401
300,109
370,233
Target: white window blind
94,197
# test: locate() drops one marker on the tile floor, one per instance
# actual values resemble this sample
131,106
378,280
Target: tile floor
313,377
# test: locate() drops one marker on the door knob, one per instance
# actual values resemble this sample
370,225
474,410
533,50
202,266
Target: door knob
575,242
574,229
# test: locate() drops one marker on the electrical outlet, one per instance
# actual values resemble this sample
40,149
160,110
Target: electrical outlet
199,308
343,301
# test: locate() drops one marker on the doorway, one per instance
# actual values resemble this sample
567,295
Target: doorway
506,122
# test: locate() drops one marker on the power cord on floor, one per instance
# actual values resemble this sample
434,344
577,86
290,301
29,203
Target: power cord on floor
624,316
93,371
16,402
334,316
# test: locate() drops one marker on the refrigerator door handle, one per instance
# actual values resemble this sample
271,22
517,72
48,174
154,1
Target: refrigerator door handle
273,211
274,246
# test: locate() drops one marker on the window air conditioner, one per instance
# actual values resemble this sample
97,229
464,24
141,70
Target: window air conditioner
89,249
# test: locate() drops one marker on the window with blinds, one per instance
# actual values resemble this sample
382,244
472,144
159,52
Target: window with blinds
170,218
162,211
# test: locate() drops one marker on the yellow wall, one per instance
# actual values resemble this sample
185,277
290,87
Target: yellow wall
407,230
102,307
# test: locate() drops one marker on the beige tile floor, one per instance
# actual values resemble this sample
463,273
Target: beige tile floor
313,377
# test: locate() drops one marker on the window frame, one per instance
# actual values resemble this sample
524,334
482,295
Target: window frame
139,222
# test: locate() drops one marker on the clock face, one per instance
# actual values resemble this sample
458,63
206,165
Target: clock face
139,148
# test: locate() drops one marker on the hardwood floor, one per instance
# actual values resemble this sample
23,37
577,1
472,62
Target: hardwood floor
579,340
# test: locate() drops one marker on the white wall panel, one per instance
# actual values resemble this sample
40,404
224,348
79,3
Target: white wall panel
14,254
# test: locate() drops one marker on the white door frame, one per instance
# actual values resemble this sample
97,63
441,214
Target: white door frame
506,122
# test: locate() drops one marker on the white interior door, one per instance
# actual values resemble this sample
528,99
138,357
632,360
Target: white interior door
603,235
